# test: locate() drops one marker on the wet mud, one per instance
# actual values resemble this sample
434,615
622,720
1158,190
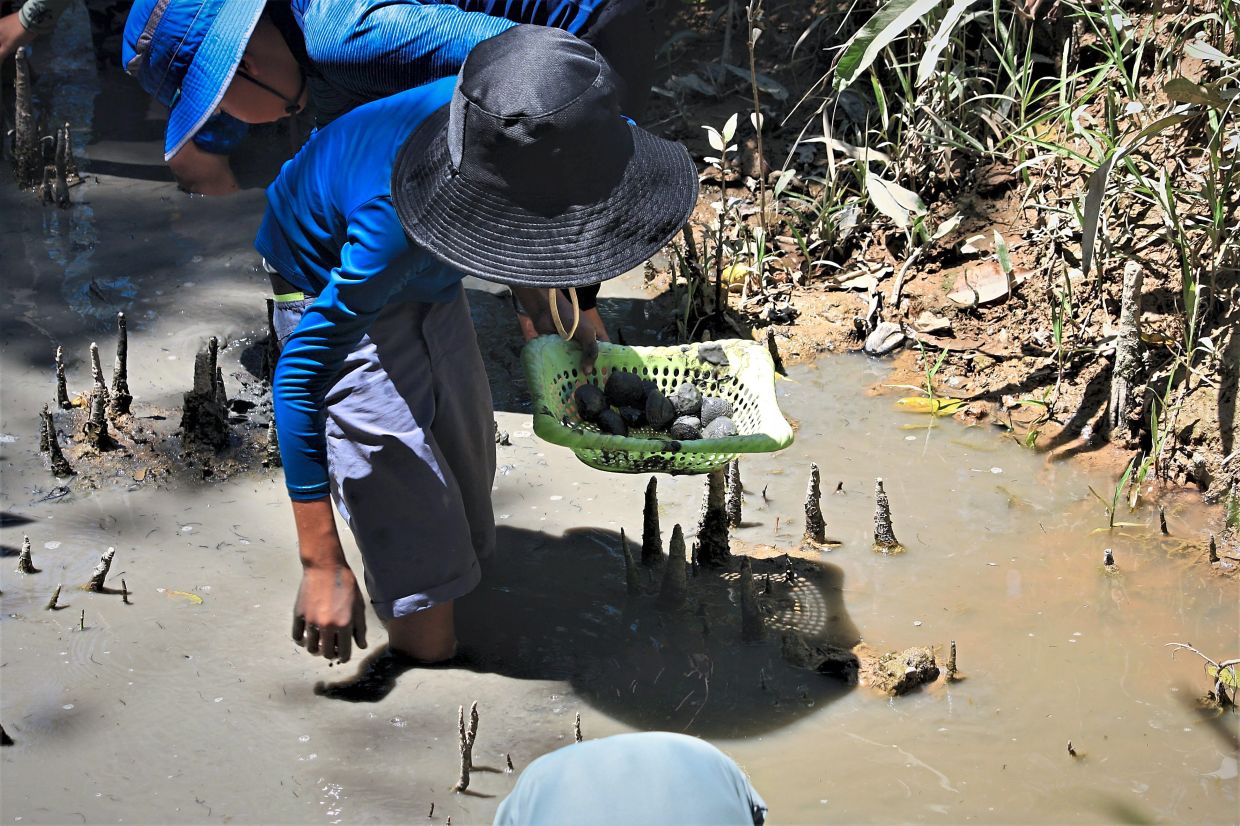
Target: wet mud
129,703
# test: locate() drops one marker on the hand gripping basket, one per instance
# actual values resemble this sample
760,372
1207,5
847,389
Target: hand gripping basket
740,371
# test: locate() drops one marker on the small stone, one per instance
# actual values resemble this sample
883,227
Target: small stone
609,421
686,428
660,412
687,400
720,428
624,389
713,407
590,402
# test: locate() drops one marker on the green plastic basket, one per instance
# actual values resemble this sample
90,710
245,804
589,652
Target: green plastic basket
747,379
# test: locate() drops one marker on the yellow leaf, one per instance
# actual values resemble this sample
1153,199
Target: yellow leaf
935,407
194,598
735,273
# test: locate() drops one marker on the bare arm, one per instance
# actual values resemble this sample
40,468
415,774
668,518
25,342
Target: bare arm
329,615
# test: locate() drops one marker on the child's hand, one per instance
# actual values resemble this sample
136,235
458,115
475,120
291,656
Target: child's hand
329,614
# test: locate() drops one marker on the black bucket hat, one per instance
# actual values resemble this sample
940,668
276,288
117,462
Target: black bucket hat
532,177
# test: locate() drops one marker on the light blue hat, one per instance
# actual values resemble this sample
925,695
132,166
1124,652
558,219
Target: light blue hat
185,52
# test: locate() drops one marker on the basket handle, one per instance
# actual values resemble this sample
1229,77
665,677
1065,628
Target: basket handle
555,312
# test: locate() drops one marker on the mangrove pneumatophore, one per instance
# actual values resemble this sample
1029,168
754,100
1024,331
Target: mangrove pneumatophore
734,493
577,728
652,537
675,582
60,465
815,525
713,546
25,563
53,604
62,389
121,398
45,434
204,421
884,535
101,571
99,386
96,428
27,152
271,454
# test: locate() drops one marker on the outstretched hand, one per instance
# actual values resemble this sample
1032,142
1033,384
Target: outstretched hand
329,615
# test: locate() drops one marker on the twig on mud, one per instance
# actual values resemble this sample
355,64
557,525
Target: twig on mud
898,287
467,744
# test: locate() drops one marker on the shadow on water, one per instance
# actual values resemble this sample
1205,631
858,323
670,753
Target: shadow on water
533,619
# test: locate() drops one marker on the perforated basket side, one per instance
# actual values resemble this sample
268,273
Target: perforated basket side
747,381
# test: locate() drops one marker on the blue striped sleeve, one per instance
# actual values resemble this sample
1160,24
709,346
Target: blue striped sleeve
395,46
372,268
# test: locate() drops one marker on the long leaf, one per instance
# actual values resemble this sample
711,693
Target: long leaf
885,26
1098,184
894,201
941,38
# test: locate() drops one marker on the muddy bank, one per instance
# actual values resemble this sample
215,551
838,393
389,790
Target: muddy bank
125,705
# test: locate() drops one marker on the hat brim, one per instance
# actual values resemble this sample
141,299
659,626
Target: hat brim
483,233
211,71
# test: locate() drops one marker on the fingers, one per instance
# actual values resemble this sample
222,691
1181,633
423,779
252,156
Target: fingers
344,644
359,623
299,628
327,643
589,352
312,638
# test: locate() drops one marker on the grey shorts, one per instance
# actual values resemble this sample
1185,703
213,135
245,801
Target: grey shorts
411,451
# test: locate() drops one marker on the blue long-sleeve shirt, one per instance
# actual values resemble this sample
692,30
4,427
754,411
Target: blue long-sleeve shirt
332,230
357,51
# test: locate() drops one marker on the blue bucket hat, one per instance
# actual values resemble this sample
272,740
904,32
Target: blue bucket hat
185,52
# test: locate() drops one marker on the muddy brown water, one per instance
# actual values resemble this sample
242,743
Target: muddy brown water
192,705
